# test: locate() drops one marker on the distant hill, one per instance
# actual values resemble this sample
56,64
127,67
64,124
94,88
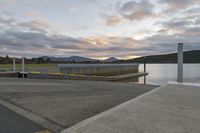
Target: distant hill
189,57
111,59
69,59
77,59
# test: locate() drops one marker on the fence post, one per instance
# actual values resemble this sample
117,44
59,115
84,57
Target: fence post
180,62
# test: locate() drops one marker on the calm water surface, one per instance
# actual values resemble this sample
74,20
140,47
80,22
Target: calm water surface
162,73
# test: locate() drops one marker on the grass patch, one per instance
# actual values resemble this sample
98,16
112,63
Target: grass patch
29,65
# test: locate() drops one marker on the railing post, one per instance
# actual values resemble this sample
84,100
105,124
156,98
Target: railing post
180,62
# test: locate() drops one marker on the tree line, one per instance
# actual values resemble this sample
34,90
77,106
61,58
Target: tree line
9,60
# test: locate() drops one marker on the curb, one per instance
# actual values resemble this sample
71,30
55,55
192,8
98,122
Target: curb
184,83
32,116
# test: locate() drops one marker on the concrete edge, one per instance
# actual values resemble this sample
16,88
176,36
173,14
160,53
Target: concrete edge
33,117
93,118
184,83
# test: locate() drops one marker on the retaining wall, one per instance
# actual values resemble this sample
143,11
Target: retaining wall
99,69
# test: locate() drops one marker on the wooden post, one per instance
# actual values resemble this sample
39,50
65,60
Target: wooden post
144,69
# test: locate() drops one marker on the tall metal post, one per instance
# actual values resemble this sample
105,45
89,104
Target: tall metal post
14,67
144,69
180,62
23,58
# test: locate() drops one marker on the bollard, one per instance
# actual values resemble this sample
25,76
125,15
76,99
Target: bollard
180,62
23,58
14,67
144,69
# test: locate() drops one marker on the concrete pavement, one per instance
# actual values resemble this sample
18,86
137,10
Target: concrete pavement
11,122
168,109
59,104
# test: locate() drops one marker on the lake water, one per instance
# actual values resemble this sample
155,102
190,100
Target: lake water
162,73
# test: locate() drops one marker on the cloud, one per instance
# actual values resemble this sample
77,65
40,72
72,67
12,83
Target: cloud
180,21
197,21
33,14
194,10
113,20
130,11
74,9
35,25
37,18
24,41
33,39
6,3
92,1
33,35
105,41
193,31
137,10
178,4
37,21
9,21
175,25
165,43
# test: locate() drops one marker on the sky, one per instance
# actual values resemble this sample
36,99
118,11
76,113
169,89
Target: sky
97,28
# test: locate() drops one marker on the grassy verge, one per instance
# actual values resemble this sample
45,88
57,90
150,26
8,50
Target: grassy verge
29,65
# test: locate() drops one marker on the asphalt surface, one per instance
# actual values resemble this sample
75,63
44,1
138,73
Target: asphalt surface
67,102
11,122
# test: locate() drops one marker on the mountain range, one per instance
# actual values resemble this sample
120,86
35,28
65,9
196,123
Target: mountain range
192,56
111,59
77,59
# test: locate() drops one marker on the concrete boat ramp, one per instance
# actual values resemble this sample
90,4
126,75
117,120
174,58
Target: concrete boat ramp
167,109
104,107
